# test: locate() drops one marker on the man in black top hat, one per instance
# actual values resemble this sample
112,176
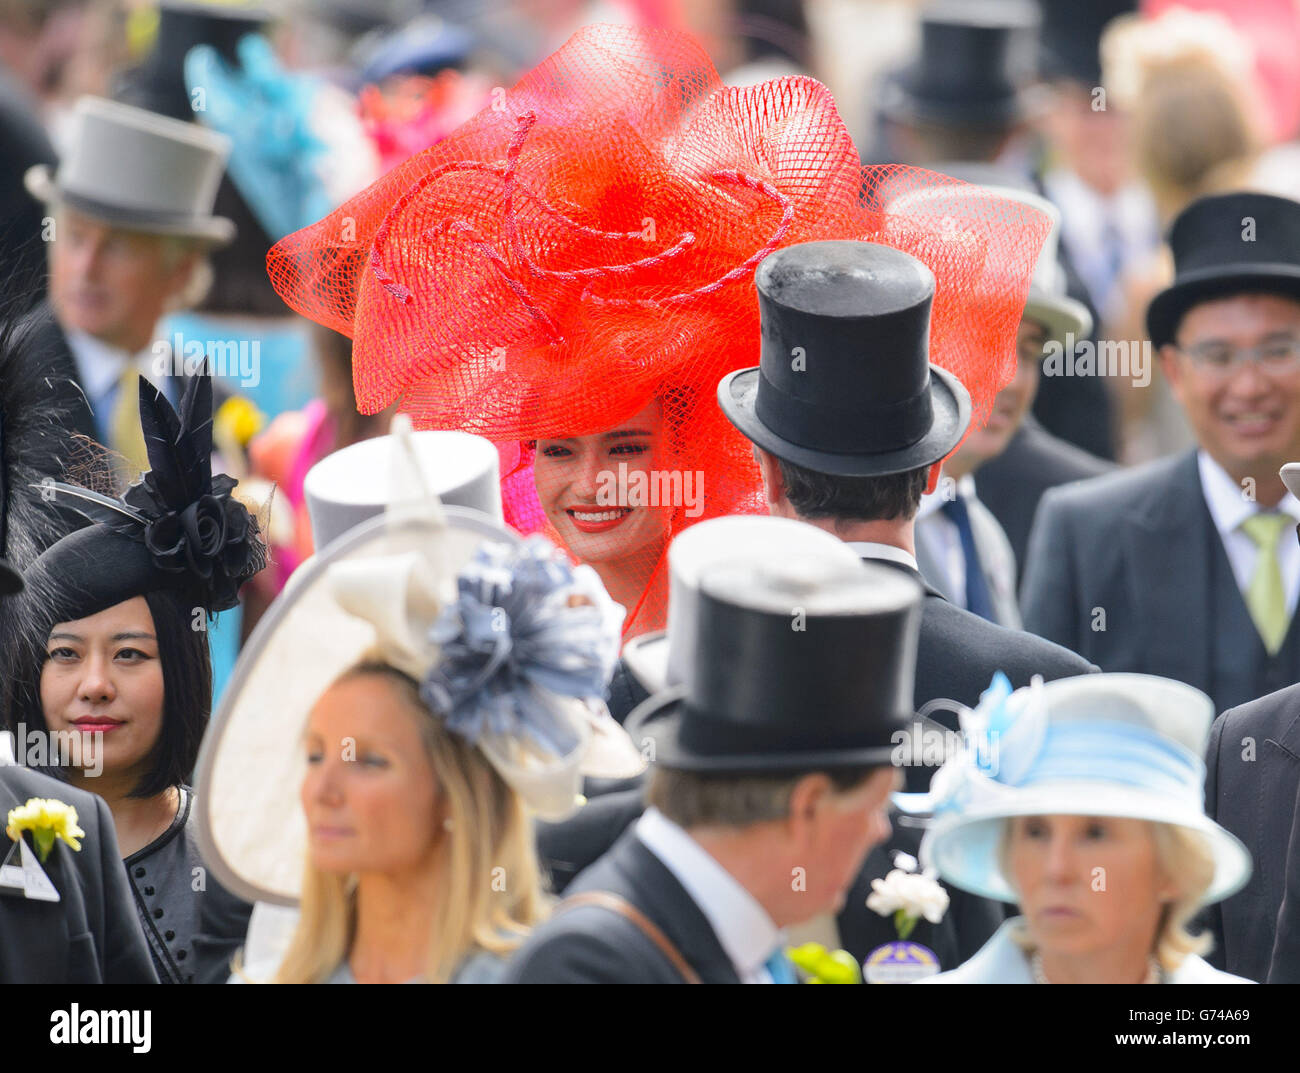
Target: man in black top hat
770,781
1184,567
969,92
859,470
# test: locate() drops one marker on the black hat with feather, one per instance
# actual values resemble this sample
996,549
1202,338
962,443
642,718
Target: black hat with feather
177,529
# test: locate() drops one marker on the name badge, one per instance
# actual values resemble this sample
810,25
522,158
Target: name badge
26,878
899,963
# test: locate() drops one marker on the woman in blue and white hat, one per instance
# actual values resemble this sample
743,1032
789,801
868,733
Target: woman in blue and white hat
1081,801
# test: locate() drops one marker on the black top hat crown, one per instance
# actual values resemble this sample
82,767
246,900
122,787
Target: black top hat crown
976,63
1071,37
158,84
845,385
797,666
1228,244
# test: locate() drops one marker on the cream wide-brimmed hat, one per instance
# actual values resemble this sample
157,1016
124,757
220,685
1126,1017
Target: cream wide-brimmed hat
659,660
1117,745
139,170
512,647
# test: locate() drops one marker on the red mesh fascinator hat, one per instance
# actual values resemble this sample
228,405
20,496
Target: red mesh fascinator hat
570,273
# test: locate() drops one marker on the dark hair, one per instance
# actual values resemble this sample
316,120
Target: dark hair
187,690
704,798
868,499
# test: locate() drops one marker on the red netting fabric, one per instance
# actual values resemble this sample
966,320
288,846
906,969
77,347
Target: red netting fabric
570,273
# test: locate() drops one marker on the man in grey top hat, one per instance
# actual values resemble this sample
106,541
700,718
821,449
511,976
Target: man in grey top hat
128,226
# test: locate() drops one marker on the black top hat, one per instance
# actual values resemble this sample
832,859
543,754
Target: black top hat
845,385
1228,244
158,84
797,666
1070,39
976,65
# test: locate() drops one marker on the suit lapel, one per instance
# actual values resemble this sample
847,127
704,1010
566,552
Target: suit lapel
59,368
1168,544
656,892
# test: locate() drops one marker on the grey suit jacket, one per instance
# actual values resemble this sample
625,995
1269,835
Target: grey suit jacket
1122,569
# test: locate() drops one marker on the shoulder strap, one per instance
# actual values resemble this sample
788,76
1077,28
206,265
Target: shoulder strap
607,900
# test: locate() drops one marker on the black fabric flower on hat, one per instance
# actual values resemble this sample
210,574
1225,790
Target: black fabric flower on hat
197,536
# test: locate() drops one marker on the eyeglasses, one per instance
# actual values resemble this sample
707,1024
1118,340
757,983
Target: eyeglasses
1277,357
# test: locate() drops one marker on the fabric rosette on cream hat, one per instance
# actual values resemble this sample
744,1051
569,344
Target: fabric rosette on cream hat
511,646
1117,745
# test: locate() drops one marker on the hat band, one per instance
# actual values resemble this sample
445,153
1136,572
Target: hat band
118,213
705,735
863,427
1118,753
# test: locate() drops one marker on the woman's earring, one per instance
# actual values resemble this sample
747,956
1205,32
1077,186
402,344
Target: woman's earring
447,824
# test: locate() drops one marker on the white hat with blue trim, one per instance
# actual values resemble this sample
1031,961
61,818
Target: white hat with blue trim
1118,745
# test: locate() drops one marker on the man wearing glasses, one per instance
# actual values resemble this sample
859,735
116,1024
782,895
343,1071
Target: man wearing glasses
1188,567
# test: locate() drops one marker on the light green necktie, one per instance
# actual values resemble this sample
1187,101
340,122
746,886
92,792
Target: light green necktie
1265,595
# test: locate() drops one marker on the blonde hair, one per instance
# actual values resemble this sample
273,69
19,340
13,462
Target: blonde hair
1185,859
490,837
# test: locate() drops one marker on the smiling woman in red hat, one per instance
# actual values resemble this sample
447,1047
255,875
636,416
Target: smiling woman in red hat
571,272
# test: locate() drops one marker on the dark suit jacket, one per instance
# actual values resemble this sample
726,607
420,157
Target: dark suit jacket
1251,781
1129,571
959,652
592,945
1011,484
1284,967
90,936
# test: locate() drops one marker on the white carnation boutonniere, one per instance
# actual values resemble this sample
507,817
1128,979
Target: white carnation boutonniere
907,895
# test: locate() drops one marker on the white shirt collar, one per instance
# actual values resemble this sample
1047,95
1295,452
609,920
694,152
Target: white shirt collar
742,926
1228,507
99,365
935,500
868,549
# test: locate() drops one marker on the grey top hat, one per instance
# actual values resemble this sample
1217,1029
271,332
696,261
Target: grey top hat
352,485
139,170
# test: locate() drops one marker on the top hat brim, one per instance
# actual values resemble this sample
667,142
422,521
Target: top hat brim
1290,474
1191,288
42,184
10,581
659,719
901,104
1061,315
738,392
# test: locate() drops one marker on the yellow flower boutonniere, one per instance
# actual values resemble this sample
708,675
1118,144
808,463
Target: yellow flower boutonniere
47,820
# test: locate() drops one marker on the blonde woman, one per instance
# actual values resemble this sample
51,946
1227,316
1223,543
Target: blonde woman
1081,801
474,664
404,841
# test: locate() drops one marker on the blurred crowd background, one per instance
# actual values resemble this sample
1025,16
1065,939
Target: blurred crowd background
1119,113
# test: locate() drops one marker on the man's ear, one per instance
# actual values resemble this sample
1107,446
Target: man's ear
1173,370
932,482
773,484
809,796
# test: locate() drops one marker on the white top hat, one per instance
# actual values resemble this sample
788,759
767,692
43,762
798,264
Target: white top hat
356,483
419,585
659,659
1120,745
139,170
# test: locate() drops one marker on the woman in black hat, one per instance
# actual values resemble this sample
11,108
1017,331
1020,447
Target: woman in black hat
113,667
